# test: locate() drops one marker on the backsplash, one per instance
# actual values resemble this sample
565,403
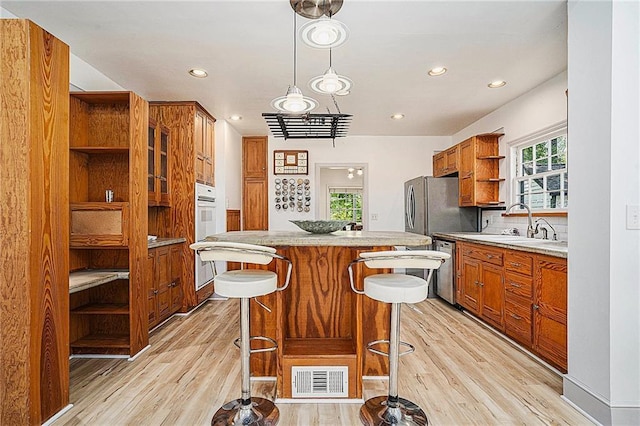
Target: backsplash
498,223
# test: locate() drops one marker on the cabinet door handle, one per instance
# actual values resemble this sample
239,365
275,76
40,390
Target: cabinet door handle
516,285
516,264
516,317
155,292
476,283
536,306
481,284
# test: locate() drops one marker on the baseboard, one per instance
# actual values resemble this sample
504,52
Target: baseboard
57,415
595,407
319,401
133,358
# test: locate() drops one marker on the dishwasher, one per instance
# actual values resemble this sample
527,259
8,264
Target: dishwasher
446,274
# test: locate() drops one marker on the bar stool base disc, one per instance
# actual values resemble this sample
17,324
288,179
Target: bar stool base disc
261,413
375,412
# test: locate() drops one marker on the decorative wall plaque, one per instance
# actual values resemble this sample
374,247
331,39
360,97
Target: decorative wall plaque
290,162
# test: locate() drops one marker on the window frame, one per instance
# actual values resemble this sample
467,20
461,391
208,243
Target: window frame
515,147
341,189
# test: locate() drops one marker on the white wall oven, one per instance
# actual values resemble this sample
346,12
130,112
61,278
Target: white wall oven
205,225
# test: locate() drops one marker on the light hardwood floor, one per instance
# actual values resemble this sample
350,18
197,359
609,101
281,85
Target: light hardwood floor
460,374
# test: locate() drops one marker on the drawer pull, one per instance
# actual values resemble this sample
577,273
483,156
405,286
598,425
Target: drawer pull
516,317
489,256
515,264
516,285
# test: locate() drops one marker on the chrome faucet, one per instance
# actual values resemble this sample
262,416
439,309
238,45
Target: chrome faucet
544,230
530,231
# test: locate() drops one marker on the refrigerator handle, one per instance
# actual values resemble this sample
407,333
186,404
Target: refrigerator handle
411,207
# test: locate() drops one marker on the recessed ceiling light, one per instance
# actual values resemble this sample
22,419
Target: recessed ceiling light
197,72
235,117
397,116
496,84
437,71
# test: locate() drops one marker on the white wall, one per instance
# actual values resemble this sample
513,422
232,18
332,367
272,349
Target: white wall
232,167
604,272
389,161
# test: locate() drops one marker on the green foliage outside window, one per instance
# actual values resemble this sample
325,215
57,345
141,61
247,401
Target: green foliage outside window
346,206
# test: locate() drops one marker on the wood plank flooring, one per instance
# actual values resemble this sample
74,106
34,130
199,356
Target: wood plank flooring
460,374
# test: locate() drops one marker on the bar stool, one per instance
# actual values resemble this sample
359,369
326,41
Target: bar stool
244,285
395,289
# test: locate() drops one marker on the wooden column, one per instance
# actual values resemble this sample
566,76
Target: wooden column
34,213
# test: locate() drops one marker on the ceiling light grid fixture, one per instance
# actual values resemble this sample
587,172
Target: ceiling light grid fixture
294,101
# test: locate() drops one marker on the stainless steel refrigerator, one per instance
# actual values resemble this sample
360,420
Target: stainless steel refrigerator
431,205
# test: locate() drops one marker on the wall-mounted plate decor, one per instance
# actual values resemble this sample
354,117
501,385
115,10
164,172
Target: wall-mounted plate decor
290,162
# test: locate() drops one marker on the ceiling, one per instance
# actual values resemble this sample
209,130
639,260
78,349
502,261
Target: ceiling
247,49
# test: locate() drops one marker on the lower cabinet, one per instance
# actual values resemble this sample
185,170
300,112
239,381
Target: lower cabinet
164,287
523,295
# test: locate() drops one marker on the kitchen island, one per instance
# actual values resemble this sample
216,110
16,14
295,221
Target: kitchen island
318,321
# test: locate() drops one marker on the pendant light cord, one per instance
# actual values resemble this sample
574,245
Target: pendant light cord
295,50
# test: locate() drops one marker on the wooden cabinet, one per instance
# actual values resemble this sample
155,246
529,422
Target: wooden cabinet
164,289
521,294
479,171
34,235
445,163
439,164
518,290
255,188
205,148
158,165
108,151
483,281
192,159
550,310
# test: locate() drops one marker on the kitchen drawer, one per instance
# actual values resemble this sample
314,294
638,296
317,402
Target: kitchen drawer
482,253
518,285
518,321
518,262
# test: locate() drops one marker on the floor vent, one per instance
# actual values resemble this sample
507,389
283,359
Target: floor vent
320,381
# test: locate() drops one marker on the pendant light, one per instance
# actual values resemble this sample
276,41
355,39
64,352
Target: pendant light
294,101
330,82
324,33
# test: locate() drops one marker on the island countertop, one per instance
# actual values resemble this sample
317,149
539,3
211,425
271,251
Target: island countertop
336,239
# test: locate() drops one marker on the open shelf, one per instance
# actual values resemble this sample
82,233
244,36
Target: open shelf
112,341
100,149
319,346
102,309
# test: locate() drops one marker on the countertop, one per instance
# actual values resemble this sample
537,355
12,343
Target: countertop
514,242
83,280
159,242
338,238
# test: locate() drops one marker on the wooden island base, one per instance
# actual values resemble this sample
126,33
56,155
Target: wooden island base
318,321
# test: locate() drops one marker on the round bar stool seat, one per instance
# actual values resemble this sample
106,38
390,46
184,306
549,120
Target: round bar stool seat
396,288
245,283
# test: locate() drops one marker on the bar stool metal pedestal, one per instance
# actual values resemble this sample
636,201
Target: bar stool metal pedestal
244,285
395,289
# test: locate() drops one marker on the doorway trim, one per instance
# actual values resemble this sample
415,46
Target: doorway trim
365,187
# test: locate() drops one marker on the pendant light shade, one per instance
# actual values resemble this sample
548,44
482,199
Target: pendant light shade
324,33
294,101
330,82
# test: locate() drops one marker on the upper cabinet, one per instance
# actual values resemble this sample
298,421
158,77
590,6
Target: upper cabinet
445,163
205,148
158,165
476,163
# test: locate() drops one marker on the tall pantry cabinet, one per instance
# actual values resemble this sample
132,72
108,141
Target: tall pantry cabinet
108,151
34,264
192,154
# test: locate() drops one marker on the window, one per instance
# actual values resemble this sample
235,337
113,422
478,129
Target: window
345,204
541,179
